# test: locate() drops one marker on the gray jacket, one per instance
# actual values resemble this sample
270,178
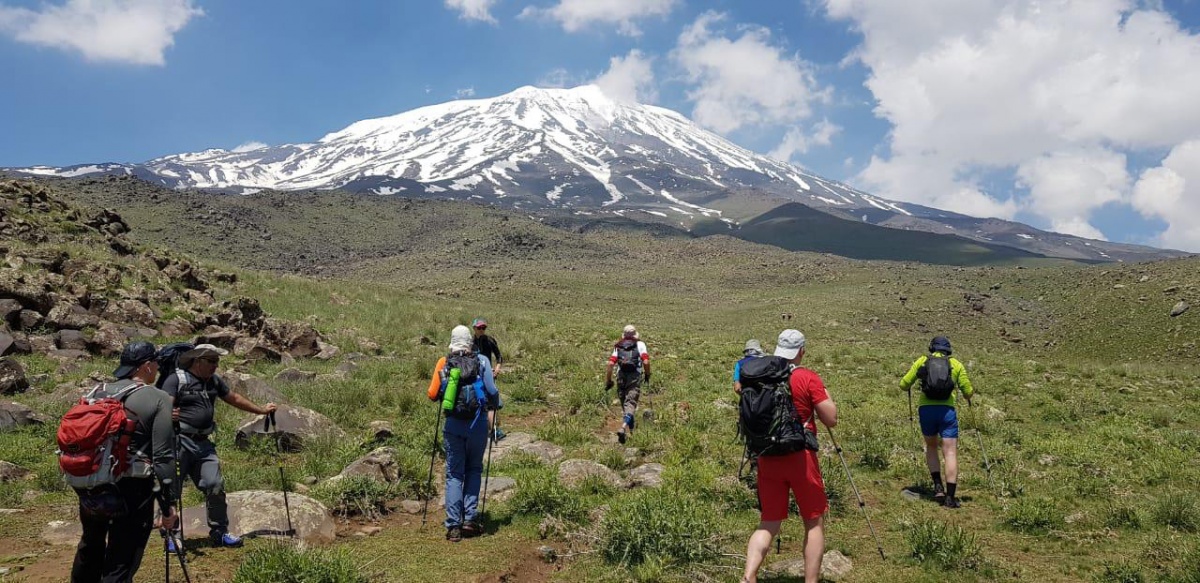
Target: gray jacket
154,438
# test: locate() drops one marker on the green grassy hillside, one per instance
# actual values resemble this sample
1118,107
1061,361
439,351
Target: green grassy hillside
1086,402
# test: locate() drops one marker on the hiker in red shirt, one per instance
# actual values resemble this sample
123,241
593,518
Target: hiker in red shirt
798,472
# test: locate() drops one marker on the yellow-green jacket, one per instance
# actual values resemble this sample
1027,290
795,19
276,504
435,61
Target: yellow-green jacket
958,373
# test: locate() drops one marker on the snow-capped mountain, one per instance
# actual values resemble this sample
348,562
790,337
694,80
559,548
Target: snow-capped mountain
570,149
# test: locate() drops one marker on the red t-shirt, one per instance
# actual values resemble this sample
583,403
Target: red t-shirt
807,391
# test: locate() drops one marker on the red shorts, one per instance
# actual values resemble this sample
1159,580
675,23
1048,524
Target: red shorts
799,473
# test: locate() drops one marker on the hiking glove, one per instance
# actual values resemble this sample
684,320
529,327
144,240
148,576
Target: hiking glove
608,384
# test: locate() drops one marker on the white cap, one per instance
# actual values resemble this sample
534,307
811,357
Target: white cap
790,343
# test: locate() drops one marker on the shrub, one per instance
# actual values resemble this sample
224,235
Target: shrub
284,563
1033,515
947,548
1178,511
1123,517
357,496
654,525
1122,572
543,494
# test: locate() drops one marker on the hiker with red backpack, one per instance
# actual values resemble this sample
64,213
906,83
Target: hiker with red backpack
195,388
463,383
113,447
632,361
780,403
940,376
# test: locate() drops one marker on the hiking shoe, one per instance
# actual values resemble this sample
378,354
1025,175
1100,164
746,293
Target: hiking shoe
454,534
621,437
952,502
171,548
224,539
939,494
500,434
471,529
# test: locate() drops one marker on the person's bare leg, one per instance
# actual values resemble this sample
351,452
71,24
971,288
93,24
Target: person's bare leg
931,453
814,548
950,452
759,545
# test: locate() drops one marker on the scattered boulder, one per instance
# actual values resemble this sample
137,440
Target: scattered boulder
412,506
10,472
524,442
29,319
72,316
910,496
12,377
834,566
573,472
298,339
253,387
130,312
62,532
295,426
647,475
1179,309
295,375
381,430
221,338
346,368
177,328
257,510
70,340
253,349
501,488
326,351
14,415
379,465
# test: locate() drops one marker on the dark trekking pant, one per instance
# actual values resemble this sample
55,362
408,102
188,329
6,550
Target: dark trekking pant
198,462
115,531
629,390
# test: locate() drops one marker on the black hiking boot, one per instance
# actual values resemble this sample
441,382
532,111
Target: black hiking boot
454,534
471,529
621,437
939,494
952,502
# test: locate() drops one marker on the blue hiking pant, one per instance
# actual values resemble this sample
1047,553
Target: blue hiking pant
465,443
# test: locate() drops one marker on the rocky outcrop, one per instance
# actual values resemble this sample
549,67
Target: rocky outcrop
294,426
13,415
573,472
254,511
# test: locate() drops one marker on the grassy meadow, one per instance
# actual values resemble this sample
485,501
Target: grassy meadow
1086,408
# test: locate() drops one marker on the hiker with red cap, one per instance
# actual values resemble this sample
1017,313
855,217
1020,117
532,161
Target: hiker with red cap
632,361
486,345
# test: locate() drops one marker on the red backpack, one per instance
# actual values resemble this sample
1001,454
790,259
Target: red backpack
94,438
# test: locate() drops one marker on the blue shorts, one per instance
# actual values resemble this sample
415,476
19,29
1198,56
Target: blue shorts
938,420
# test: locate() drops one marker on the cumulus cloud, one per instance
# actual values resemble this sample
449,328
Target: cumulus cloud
250,146
1024,87
576,15
799,141
629,78
743,81
480,10
1171,192
123,31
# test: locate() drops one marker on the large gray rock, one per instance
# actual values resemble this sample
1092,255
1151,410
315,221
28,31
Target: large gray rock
379,465
253,387
129,312
1179,309
71,340
12,377
62,532
10,472
648,475
295,425
573,472
253,510
501,488
524,442
69,315
295,375
15,414
834,566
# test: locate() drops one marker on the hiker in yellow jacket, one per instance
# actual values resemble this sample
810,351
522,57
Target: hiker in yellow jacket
940,376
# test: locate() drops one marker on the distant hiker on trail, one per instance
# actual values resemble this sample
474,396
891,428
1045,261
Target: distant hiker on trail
940,375
463,382
116,506
486,345
753,350
632,361
788,456
195,387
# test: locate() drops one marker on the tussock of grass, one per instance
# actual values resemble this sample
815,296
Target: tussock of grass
948,548
658,525
285,563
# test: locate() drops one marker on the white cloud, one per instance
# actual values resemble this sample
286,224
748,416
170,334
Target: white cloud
1171,192
745,81
473,9
1032,86
798,141
466,93
1078,226
123,31
629,78
558,79
250,146
576,15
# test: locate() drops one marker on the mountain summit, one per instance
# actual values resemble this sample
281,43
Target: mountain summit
573,149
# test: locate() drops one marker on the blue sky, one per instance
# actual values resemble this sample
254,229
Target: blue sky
1072,115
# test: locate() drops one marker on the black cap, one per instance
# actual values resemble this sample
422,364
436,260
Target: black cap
940,344
134,355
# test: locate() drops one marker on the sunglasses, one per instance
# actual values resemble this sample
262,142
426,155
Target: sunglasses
212,359
481,327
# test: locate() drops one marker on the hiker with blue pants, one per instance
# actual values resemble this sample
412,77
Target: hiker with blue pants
941,377
469,424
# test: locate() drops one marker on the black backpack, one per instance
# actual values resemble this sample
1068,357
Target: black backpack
628,357
766,413
168,360
466,404
936,382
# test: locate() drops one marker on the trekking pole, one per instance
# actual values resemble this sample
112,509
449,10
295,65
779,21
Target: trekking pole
166,557
862,505
987,466
432,458
164,500
487,474
268,421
